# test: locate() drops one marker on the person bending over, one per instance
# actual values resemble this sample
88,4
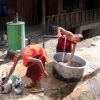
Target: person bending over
34,58
71,41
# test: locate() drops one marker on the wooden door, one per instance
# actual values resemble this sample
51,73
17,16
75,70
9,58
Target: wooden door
35,11
52,7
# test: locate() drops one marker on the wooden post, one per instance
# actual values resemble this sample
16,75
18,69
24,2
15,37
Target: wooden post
43,18
99,4
82,5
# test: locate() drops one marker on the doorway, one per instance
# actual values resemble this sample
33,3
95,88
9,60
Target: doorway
51,8
91,4
39,11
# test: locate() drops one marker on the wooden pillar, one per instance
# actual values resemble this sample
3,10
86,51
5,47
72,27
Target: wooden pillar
43,16
82,4
99,4
43,20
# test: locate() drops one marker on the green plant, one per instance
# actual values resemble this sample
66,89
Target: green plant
96,38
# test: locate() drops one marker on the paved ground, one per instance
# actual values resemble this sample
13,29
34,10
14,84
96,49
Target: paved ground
55,89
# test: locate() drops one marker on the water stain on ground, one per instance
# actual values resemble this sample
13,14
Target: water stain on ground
51,84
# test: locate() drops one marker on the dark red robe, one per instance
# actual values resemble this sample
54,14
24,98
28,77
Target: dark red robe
33,69
60,44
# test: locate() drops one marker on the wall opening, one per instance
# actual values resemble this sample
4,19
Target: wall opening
87,34
91,4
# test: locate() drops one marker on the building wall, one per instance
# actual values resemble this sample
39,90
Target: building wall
60,7
65,6
28,9
25,12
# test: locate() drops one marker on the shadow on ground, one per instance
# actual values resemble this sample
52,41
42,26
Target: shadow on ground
58,89
54,88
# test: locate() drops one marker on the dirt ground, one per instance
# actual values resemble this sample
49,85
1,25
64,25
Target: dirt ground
51,84
50,44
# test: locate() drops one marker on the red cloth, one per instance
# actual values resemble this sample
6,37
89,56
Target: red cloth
33,69
60,45
34,72
33,51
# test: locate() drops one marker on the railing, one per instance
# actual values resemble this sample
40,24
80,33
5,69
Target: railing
73,19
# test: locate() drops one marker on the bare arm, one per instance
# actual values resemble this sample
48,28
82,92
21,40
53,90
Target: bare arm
60,29
39,62
11,71
72,54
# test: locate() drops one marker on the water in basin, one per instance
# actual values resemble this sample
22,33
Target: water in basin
73,64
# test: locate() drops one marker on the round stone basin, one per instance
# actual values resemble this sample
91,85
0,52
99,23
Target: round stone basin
68,73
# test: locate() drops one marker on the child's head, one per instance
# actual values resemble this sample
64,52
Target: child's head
11,55
78,37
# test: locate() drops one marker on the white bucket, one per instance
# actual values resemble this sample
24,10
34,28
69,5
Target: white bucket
68,73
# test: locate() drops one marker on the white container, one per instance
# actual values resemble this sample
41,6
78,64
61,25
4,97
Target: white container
18,86
5,37
7,87
68,73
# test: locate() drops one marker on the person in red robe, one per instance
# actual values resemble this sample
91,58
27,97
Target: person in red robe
71,41
34,58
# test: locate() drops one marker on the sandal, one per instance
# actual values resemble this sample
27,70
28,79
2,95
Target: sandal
29,85
36,90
